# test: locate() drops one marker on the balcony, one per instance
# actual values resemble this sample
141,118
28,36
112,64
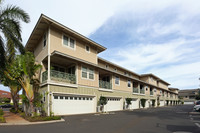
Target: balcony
142,91
135,90
104,84
59,76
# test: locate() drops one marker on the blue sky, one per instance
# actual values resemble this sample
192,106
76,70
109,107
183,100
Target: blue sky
146,36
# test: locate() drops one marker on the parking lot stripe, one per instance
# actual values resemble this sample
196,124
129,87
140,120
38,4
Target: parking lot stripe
197,124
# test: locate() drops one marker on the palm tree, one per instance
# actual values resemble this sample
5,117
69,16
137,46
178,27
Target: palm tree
10,30
24,70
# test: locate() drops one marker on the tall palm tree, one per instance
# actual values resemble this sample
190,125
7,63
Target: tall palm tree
10,30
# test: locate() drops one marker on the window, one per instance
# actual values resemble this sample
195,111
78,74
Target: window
55,97
91,74
107,66
72,43
125,73
61,97
87,48
116,80
115,69
87,73
129,83
66,98
44,39
65,40
69,42
84,72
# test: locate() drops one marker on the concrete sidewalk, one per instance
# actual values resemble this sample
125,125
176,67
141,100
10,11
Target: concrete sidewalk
14,119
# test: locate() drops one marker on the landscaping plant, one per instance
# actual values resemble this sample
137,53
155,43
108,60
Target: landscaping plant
128,101
143,101
102,101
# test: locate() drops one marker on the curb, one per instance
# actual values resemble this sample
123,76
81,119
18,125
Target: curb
32,123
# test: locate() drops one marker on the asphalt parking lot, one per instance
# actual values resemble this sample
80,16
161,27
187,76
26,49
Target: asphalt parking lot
153,120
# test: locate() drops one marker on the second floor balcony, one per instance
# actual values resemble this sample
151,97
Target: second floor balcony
105,84
59,76
151,93
135,90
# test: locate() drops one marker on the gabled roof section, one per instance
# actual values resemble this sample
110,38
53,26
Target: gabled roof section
150,74
99,58
44,22
171,88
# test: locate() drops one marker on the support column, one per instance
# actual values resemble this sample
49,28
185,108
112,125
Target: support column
49,78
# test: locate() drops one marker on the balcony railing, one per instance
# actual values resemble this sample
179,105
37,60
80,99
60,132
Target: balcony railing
104,84
151,93
59,76
135,90
142,91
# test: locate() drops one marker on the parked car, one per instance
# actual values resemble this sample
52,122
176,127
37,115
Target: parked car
197,103
6,106
197,108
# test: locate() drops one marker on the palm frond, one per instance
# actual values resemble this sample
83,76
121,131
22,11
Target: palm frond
2,54
15,13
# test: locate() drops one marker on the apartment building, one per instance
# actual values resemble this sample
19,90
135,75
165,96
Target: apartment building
188,95
73,77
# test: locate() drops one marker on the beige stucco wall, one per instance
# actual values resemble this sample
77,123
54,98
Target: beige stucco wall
87,82
162,85
145,79
113,67
41,52
79,51
152,81
123,85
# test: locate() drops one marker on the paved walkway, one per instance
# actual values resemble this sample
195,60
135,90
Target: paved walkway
13,118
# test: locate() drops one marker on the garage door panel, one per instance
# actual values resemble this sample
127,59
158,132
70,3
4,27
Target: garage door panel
73,105
134,104
162,103
113,104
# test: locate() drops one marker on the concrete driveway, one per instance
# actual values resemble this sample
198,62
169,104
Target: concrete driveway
154,120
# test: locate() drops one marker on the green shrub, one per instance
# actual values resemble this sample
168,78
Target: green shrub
103,100
153,102
1,112
2,119
15,111
143,101
128,101
39,118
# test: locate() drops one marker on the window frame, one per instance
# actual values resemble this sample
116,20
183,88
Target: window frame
86,48
44,40
88,72
119,80
129,82
69,42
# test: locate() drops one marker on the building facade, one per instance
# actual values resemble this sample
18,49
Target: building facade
73,77
188,95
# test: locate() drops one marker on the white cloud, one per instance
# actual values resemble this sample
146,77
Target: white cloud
84,16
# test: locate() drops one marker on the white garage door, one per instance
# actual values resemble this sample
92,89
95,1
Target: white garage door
147,104
64,105
188,102
134,104
162,103
113,104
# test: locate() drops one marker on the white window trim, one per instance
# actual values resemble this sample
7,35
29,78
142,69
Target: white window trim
119,81
68,42
87,73
43,47
130,83
86,49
